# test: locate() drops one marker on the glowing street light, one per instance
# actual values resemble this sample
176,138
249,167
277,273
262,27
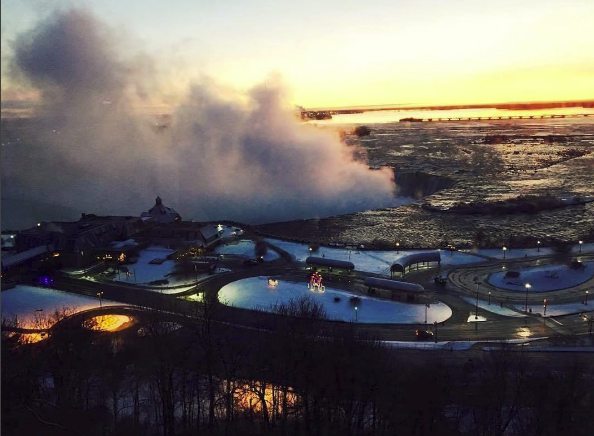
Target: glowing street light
580,243
527,286
489,298
545,303
100,295
477,298
586,299
356,311
504,248
538,246
397,247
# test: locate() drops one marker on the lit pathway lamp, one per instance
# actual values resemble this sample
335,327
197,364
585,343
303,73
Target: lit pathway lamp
477,298
100,296
538,246
527,286
545,303
586,298
435,330
397,247
356,311
504,248
580,245
489,298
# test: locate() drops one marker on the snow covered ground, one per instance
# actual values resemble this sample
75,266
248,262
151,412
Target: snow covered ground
493,307
245,248
514,253
455,345
254,293
121,244
144,272
35,307
229,232
559,309
543,278
372,261
518,253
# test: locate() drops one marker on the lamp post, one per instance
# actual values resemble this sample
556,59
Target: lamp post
397,247
435,330
580,244
527,286
538,246
504,248
356,311
489,298
544,305
100,295
586,298
476,305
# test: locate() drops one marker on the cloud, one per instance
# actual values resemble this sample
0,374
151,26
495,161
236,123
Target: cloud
223,155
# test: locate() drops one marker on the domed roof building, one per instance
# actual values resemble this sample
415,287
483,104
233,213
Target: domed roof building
160,213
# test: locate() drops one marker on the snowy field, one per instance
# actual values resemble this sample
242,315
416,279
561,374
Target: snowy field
514,253
245,248
122,244
254,293
518,253
493,307
228,232
143,271
456,345
35,307
372,261
558,309
543,278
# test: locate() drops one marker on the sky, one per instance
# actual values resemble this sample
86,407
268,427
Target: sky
345,53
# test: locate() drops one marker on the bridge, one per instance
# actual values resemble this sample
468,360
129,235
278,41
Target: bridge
499,118
326,115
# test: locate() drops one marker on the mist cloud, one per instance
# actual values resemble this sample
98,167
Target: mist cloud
243,157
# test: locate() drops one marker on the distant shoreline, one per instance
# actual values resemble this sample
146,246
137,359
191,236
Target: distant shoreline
509,106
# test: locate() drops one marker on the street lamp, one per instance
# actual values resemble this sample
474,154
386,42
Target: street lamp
538,246
580,242
504,250
397,247
100,295
586,299
476,306
489,298
527,286
544,305
356,311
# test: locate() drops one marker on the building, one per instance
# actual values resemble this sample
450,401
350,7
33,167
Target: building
161,214
330,264
181,234
77,243
409,262
397,290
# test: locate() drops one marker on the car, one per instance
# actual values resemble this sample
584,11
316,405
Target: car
424,335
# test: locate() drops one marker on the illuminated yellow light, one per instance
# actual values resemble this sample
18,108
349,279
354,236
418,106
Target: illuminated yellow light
250,397
107,323
31,338
523,332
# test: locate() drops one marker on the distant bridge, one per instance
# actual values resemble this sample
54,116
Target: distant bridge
502,118
325,115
